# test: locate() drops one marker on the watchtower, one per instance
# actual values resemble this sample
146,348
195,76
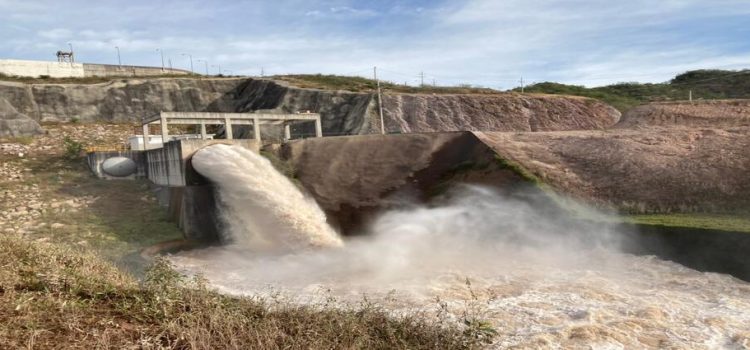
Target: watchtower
63,56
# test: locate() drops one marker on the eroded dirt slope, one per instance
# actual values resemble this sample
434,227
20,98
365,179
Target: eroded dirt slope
676,157
497,112
698,114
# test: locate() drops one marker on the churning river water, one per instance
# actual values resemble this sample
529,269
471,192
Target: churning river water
540,280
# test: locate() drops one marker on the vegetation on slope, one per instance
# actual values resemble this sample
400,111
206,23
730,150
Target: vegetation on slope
724,222
53,297
360,84
704,84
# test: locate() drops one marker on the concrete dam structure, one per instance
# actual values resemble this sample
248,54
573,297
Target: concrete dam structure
355,178
168,165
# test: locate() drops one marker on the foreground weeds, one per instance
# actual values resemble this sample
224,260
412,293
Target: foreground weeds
52,297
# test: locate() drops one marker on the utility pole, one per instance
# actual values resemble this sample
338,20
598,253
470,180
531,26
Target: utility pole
72,55
119,61
690,95
206,63
162,59
262,72
380,100
191,61
421,78
434,83
522,86
217,66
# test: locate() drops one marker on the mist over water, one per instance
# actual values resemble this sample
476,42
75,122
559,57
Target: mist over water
541,278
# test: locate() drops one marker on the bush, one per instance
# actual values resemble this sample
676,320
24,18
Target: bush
72,148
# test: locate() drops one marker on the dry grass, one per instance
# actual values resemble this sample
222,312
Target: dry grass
53,297
360,84
88,80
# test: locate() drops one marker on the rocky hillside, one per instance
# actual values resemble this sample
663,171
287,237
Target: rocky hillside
118,101
660,158
499,112
655,170
716,113
343,112
14,124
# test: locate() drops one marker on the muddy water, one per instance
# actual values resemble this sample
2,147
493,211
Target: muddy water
540,279
261,208
603,300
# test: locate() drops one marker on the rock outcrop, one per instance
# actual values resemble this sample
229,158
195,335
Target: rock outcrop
342,112
120,100
14,124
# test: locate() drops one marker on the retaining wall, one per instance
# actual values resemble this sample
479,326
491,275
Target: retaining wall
110,70
53,69
34,69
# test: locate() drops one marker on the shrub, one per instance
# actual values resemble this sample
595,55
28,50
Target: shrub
72,148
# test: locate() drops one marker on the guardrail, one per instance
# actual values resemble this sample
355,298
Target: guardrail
122,148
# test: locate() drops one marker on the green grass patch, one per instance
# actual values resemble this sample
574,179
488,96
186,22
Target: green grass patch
725,222
525,174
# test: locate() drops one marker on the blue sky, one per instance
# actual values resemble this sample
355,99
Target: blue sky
482,42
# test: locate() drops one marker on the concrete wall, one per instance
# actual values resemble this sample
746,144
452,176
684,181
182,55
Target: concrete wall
54,69
170,165
35,69
110,70
165,165
194,210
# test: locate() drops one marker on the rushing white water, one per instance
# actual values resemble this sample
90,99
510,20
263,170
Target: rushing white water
262,209
542,280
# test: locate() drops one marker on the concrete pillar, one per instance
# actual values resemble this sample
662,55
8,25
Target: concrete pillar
203,130
228,128
287,132
256,129
146,136
318,128
164,129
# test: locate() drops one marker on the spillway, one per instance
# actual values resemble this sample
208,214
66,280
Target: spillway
261,208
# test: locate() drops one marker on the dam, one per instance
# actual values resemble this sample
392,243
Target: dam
166,161
464,217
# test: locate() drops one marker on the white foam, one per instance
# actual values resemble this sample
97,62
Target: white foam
262,209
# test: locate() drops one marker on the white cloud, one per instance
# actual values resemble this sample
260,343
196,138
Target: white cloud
55,34
487,42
